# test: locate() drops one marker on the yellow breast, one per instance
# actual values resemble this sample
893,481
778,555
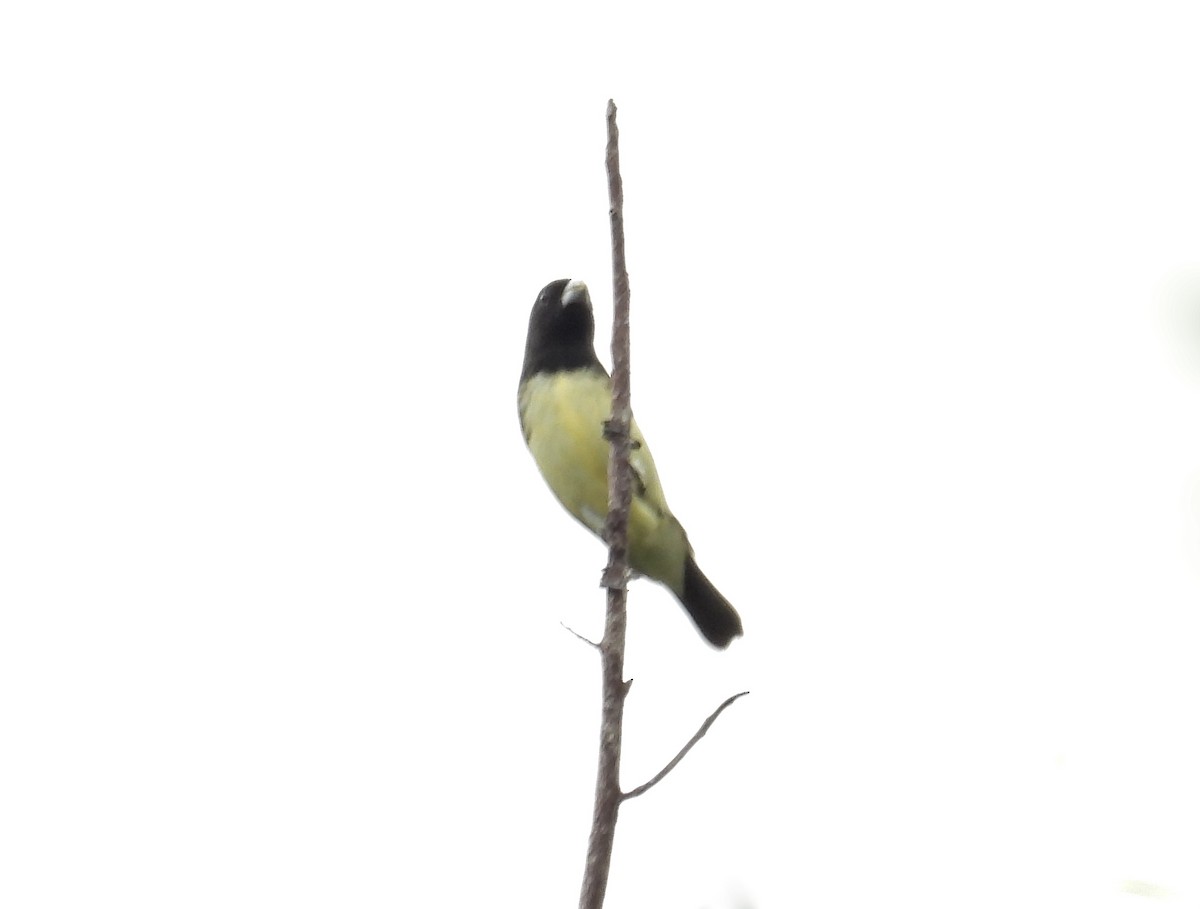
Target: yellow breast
563,415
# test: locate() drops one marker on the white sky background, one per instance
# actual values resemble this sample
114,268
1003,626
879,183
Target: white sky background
916,342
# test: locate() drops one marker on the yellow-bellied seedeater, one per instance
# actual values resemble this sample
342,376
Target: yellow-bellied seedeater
564,399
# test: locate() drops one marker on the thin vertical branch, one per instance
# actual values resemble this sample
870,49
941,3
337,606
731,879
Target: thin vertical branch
616,575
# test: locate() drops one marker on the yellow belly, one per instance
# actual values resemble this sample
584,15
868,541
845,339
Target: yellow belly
562,415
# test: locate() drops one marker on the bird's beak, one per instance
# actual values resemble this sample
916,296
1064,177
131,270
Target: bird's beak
576,292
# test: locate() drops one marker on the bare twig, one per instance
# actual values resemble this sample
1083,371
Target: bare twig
704,727
616,575
581,637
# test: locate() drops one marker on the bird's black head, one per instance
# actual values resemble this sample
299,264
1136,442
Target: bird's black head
561,330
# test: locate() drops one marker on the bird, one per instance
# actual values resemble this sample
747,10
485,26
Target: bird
564,399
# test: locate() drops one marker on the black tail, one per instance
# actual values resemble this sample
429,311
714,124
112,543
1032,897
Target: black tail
716,619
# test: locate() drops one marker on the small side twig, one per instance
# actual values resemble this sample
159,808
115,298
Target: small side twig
704,727
581,637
